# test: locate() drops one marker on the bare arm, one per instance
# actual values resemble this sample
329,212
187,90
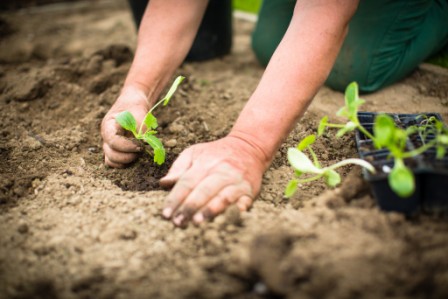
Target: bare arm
166,34
208,177
298,68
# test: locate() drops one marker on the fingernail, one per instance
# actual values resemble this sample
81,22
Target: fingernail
167,212
198,218
167,177
139,149
178,219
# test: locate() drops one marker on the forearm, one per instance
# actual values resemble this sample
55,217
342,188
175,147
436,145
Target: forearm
165,36
297,69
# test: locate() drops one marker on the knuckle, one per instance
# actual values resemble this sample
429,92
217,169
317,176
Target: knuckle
172,202
114,142
186,181
122,158
228,200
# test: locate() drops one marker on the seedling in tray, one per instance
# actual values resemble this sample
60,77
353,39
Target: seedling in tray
396,140
384,134
147,132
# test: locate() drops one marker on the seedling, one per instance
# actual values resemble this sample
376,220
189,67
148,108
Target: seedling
303,165
385,135
147,132
432,126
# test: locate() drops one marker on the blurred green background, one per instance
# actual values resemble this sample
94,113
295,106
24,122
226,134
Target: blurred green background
253,6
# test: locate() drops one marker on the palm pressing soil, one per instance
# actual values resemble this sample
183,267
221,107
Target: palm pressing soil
71,227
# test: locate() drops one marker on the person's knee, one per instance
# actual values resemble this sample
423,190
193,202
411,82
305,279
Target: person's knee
262,47
273,20
339,83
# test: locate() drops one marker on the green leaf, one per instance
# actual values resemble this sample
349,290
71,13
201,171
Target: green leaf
172,89
352,102
301,162
156,144
399,138
332,178
322,125
127,121
438,124
306,142
343,112
159,156
443,139
440,151
411,130
291,188
351,96
350,126
384,130
401,179
298,173
150,121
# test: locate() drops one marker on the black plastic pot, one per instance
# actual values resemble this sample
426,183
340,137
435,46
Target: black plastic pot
214,36
431,174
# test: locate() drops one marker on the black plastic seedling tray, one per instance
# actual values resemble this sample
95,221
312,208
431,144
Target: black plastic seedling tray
431,174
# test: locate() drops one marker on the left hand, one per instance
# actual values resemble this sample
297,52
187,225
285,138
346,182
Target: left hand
208,177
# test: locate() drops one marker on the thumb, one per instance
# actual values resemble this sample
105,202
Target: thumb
179,167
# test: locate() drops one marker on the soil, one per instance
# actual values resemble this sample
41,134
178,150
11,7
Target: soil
71,227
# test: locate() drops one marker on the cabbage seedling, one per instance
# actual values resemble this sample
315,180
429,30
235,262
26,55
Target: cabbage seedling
303,165
147,132
387,135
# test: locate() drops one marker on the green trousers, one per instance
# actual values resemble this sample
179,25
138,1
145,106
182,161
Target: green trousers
387,39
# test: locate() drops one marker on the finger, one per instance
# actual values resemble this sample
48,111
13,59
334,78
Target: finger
118,157
113,135
112,164
122,144
219,203
202,194
179,167
182,189
244,203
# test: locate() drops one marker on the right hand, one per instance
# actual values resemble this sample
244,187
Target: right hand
118,149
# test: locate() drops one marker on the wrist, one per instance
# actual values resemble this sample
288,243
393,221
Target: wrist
133,95
256,147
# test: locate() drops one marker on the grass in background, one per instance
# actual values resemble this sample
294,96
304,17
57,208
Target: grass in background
440,60
250,6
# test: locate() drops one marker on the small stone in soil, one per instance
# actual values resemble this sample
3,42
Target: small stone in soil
23,228
128,234
176,128
260,288
171,143
93,149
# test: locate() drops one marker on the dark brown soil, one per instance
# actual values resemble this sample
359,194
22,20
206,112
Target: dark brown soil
71,227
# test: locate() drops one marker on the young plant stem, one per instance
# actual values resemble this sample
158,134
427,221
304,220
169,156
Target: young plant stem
358,162
157,104
313,154
310,179
364,131
420,150
334,125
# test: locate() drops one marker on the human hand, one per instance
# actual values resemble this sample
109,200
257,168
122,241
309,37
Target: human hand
118,149
209,177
